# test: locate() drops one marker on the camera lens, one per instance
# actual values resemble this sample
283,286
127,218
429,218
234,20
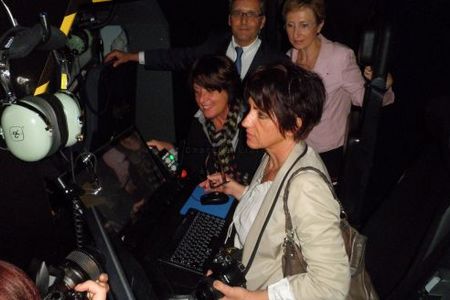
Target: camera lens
79,265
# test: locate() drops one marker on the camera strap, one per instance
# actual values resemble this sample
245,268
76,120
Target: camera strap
252,257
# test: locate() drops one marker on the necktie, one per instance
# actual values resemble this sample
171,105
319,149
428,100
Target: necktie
238,61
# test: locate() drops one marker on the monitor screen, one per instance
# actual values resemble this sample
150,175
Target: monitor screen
119,177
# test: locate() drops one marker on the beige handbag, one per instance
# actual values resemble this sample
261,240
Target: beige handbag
361,286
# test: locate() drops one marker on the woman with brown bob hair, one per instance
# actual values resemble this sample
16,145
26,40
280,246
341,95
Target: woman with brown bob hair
285,104
215,132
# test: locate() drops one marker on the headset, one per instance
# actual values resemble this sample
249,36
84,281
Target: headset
35,127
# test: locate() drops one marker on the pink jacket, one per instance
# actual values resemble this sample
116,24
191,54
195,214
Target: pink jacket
344,84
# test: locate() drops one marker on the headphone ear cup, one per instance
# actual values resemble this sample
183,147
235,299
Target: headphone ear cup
27,130
37,126
73,114
53,109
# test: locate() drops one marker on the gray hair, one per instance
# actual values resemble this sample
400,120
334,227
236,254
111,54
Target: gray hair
261,6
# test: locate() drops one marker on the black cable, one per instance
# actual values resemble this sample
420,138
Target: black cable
77,212
78,221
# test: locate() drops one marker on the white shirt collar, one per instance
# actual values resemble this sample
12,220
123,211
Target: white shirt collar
248,54
255,44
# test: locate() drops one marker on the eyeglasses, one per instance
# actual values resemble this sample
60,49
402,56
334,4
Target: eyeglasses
303,26
248,14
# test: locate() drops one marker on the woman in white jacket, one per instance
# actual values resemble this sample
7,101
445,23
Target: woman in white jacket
286,102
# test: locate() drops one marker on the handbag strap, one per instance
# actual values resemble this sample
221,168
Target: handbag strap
288,223
252,256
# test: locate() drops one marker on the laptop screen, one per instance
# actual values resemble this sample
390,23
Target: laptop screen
123,173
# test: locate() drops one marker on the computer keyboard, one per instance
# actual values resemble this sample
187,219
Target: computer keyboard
197,238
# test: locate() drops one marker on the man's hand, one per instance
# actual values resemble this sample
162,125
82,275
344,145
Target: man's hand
117,57
96,290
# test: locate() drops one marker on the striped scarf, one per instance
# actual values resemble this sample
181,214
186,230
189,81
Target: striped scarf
222,141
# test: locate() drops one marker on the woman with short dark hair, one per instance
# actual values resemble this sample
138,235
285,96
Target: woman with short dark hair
281,99
285,104
215,131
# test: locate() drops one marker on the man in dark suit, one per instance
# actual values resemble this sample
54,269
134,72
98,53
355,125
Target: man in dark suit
246,19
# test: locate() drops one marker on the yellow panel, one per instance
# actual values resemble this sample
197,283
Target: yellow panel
96,1
67,23
64,80
65,27
41,89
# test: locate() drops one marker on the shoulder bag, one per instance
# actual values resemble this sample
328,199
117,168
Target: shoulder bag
293,262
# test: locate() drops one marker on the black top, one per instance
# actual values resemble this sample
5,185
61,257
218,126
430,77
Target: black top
27,226
180,59
197,147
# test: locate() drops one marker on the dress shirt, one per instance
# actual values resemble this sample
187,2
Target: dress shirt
248,54
344,85
247,210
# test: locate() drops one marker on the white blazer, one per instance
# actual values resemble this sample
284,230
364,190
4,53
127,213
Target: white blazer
315,216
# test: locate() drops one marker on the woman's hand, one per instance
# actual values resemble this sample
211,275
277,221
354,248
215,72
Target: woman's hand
160,145
368,74
238,293
215,183
96,290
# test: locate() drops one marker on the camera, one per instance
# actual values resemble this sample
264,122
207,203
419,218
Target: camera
226,267
78,266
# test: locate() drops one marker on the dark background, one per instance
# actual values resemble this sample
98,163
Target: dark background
419,63
419,58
